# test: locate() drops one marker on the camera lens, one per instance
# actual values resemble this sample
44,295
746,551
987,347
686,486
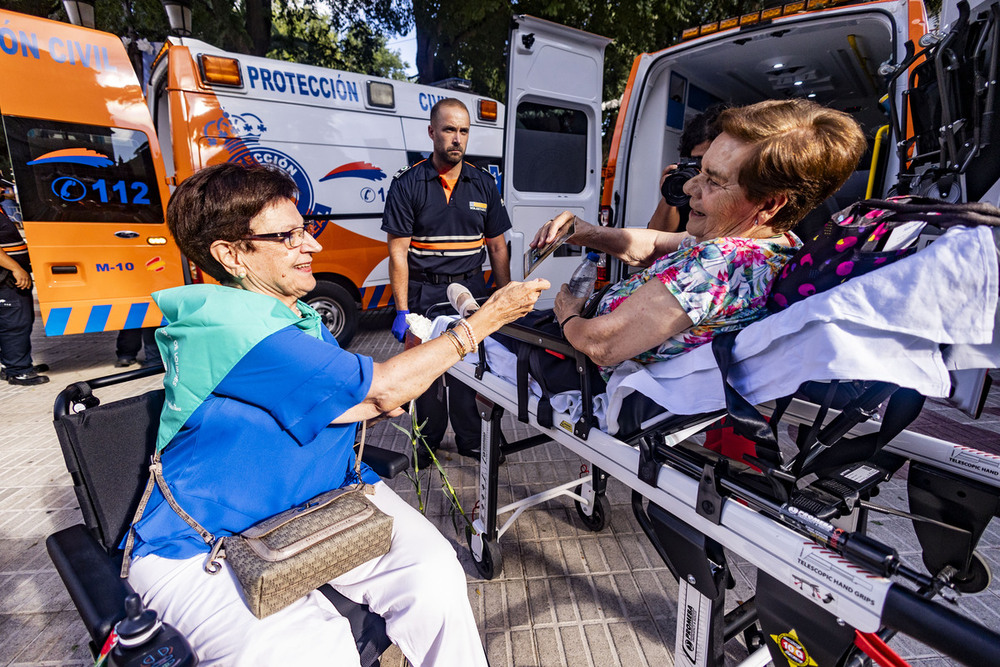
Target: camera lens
673,185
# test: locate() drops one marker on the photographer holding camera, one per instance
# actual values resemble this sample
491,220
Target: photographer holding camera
673,209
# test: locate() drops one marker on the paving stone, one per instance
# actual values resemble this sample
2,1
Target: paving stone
566,596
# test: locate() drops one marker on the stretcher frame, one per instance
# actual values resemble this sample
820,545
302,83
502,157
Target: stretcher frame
788,550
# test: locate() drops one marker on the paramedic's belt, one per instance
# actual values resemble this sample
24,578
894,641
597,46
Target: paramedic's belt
442,278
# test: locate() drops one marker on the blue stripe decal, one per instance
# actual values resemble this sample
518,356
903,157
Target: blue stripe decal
55,325
98,318
136,315
163,322
376,297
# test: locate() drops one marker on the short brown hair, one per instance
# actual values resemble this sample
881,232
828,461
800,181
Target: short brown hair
217,204
448,102
801,150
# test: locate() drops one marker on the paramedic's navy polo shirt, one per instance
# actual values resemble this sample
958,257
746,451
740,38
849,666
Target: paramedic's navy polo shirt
446,236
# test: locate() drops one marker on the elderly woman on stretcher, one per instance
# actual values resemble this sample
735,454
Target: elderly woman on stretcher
772,163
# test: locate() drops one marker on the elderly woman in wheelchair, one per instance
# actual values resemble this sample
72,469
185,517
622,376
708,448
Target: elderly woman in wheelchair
261,411
772,163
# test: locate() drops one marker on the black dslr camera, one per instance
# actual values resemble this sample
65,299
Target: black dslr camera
673,185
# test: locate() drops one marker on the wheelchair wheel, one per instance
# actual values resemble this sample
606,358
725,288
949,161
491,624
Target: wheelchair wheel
599,516
491,563
979,577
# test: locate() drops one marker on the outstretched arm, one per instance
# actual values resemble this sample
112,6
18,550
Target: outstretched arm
637,247
409,374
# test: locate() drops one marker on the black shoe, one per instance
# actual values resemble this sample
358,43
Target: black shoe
424,457
37,368
27,378
477,453
124,362
470,452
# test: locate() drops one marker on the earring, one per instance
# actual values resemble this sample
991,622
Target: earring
241,274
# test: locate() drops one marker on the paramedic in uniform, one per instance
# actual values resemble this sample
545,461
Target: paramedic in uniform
17,309
442,215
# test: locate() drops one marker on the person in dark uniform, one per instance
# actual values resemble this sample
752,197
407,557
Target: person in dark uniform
442,216
695,139
130,341
17,308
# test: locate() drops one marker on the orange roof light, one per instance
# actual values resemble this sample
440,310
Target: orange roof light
726,24
487,110
220,71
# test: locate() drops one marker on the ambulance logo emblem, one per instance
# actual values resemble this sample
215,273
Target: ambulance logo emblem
356,170
83,156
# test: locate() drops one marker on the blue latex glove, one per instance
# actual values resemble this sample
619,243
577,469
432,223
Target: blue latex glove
399,326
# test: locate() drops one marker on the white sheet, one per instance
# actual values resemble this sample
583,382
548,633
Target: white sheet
887,325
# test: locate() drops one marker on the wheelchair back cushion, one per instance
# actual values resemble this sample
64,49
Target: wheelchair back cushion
107,450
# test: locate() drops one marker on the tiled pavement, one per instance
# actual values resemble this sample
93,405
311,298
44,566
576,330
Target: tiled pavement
566,596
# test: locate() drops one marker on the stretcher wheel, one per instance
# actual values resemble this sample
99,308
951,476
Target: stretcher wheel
602,510
490,563
979,577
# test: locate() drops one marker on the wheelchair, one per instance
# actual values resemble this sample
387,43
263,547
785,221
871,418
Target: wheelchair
107,448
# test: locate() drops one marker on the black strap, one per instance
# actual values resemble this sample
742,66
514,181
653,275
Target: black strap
441,278
973,213
523,363
743,416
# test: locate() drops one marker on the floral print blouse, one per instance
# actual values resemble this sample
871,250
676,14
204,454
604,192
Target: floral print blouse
721,283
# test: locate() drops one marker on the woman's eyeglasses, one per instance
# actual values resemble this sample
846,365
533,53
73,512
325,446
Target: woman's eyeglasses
292,239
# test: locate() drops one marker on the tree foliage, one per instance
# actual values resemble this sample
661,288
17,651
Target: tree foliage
343,34
469,40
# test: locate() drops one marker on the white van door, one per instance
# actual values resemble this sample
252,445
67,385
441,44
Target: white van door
552,138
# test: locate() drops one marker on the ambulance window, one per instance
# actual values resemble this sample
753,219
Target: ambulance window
550,149
67,172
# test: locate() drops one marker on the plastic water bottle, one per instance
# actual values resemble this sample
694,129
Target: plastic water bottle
582,282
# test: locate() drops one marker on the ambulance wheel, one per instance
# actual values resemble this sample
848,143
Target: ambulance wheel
979,577
598,517
491,563
337,308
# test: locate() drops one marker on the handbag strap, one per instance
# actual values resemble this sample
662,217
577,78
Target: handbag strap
212,565
156,477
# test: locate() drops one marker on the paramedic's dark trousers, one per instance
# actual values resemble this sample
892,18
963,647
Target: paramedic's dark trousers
461,405
17,315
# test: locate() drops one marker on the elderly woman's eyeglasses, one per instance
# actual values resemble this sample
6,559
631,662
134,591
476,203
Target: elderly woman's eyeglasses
293,238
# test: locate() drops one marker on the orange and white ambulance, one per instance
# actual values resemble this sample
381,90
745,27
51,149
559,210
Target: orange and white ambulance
94,159
842,54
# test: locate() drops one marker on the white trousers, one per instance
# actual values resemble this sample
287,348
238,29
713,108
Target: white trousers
418,587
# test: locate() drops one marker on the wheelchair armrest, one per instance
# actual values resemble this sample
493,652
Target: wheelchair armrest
91,577
385,463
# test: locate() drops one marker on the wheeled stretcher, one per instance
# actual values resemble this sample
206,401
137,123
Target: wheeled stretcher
801,520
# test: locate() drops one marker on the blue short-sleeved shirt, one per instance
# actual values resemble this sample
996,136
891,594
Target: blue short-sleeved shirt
261,442
446,235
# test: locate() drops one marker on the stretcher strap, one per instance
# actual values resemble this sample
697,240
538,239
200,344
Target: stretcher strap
744,417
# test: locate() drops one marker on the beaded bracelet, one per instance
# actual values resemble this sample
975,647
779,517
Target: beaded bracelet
457,342
468,330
